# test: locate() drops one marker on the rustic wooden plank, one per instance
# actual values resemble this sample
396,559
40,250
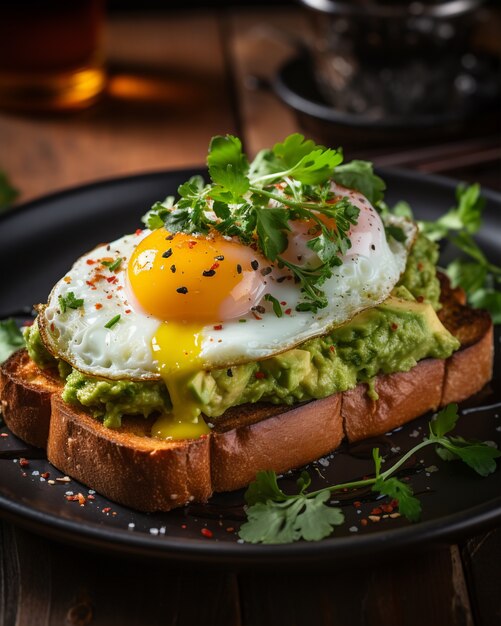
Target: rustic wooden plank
258,45
422,588
166,98
48,584
482,559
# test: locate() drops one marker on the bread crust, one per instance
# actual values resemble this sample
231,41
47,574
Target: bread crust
25,393
132,468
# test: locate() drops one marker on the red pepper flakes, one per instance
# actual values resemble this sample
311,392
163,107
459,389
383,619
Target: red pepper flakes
394,326
128,311
206,533
288,311
139,231
387,508
256,316
420,298
98,305
332,348
91,497
45,475
376,511
112,279
109,297
24,462
363,522
394,503
52,327
420,266
192,244
260,375
230,529
90,262
4,434
107,509
214,266
357,504
218,327
183,526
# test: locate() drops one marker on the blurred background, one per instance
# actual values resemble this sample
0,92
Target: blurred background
91,90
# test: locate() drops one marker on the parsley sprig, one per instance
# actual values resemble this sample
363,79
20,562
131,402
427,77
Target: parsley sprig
276,517
257,201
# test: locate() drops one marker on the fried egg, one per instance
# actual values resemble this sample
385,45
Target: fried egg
162,305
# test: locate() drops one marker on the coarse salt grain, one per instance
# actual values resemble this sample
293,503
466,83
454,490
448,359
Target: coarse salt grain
353,529
153,531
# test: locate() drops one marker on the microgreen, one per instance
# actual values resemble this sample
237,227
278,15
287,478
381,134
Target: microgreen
276,517
69,302
256,202
11,338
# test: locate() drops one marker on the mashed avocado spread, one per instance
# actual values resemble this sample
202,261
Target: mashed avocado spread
391,337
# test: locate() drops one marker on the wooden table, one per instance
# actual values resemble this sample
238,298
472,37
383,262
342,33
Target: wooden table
176,80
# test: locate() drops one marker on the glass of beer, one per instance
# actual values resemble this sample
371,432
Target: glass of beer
51,54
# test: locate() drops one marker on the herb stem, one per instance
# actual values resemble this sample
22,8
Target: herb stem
407,455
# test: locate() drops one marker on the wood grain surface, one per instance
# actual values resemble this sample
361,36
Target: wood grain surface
176,80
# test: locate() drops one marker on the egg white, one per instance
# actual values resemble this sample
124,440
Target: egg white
79,336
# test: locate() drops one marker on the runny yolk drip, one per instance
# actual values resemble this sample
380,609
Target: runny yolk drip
186,282
177,349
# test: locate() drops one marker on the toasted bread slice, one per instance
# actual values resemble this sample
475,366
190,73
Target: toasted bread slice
130,467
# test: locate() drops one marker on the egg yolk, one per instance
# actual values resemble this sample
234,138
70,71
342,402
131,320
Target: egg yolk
187,282
185,278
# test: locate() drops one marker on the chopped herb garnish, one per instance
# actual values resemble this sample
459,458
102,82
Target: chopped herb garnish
276,517
113,321
69,302
113,266
257,201
277,307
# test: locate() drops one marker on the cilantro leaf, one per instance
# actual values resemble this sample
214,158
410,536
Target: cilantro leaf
297,518
294,148
359,175
69,302
7,192
408,504
271,227
444,421
317,520
228,167
477,455
155,217
11,338
490,300
469,275
263,488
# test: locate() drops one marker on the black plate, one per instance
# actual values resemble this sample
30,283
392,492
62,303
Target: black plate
39,240
296,86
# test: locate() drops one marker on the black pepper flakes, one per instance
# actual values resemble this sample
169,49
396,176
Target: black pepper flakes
169,238
229,373
373,247
182,290
239,269
208,272
173,269
219,257
167,253
254,264
266,270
